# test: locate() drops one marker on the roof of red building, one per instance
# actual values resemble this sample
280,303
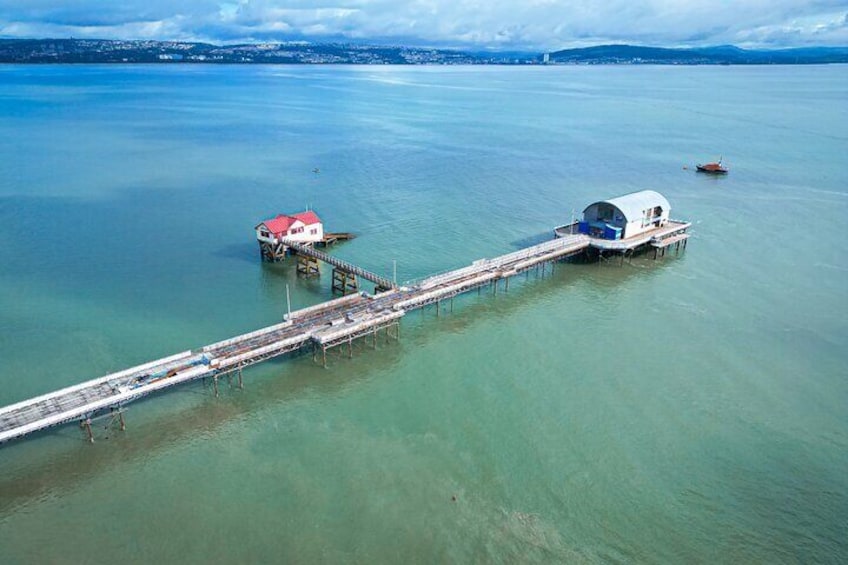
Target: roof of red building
282,222
309,217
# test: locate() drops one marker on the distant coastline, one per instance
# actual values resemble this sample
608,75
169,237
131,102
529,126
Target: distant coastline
47,51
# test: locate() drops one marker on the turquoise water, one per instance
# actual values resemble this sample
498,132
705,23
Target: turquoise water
685,410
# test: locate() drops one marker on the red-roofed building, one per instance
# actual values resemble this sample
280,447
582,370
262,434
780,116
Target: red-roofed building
305,227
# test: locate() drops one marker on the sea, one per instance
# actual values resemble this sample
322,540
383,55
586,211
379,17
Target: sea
689,409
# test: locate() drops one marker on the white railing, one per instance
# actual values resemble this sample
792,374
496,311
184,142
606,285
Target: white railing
329,335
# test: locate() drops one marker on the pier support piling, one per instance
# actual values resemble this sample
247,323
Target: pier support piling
116,416
272,252
86,424
344,282
307,266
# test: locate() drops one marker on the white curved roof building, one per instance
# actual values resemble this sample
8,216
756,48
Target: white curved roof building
632,214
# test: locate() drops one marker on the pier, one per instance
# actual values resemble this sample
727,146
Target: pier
314,330
344,272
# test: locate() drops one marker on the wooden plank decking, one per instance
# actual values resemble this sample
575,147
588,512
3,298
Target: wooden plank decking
671,240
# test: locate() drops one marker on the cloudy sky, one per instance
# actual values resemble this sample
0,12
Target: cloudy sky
491,24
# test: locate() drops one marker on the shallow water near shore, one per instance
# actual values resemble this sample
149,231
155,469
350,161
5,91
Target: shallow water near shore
691,409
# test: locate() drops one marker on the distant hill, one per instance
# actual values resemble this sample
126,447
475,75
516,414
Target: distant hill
138,51
301,52
720,55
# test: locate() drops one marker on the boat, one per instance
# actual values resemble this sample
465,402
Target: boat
712,168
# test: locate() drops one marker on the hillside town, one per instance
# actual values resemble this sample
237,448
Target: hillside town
144,51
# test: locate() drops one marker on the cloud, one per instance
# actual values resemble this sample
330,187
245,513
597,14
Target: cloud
514,24
831,30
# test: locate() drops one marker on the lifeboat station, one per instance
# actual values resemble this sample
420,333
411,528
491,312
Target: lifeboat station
628,224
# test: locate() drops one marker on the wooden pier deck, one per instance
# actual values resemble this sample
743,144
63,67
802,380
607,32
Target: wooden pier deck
317,328
651,237
331,238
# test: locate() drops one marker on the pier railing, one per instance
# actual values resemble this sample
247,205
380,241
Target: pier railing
310,251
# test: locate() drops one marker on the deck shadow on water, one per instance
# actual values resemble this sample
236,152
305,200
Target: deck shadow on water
245,252
529,241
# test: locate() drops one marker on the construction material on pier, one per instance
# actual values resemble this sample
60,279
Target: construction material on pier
317,328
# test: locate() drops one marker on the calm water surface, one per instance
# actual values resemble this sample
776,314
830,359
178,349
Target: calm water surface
685,410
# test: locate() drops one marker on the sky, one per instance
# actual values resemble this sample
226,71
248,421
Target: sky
537,25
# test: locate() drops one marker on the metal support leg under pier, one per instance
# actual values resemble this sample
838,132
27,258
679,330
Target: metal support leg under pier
116,416
86,425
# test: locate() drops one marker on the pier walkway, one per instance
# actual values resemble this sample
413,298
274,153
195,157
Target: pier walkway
317,328
302,249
